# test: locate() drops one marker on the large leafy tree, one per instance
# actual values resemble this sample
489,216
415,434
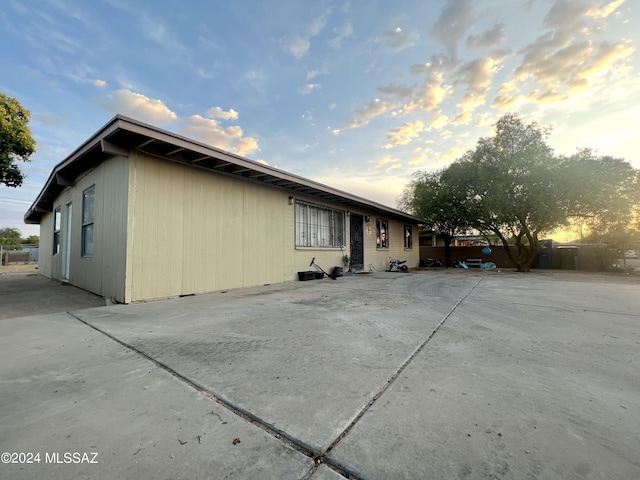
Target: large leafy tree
16,141
510,181
513,187
440,203
601,193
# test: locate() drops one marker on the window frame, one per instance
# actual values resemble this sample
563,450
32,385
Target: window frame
88,222
57,227
318,226
408,239
382,227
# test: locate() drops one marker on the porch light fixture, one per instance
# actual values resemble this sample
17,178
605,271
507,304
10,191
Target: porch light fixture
290,200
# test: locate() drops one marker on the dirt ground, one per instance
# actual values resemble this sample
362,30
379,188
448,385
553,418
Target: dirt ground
19,268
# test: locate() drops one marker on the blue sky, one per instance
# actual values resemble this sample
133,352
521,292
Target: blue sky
358,95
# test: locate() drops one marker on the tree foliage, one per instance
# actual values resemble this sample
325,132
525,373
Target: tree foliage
512,186
10,238
16,141
431,197
603,193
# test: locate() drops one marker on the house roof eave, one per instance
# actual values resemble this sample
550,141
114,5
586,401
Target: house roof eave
122,134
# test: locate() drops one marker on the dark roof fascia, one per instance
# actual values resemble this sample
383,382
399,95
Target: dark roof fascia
54,181
120,123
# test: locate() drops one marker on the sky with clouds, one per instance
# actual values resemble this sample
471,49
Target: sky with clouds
357,95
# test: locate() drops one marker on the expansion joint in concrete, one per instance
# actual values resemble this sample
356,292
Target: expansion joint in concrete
246,415
318,457
343,469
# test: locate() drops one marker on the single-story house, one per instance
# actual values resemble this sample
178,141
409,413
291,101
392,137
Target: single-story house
138,213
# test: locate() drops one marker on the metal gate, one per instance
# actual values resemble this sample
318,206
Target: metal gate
357,242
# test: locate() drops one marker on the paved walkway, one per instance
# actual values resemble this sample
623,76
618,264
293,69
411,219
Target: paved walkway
427,375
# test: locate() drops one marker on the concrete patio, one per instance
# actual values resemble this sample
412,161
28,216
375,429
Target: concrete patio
437,374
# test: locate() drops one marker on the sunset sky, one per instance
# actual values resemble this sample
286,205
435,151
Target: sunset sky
358,95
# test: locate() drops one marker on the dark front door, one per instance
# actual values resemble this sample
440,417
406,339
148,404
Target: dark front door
357,242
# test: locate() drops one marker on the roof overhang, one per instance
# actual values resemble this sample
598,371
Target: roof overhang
121,135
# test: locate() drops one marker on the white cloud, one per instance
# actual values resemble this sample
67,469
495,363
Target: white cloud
99,83
211,132
314,73
387,161
365,115
568,61
316,25
341,33
138,106
404,134
297,46
397,39
401,92
477,75
456,18
439,122
308,88
607,10
489,39
217,112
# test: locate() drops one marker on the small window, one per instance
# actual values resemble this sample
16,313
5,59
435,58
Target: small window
408,236
57,218
382,233
318,226
88,217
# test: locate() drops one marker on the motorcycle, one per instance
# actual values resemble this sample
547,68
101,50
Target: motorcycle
430,263
397,265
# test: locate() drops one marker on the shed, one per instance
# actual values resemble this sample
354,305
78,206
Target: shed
138,213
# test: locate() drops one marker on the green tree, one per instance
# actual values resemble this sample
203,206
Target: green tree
31,240
16,141
513,187
10,238
601,192
432,197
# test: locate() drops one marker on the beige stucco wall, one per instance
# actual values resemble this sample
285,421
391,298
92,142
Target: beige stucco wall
45,252
374,258
194,231
104,273
162,229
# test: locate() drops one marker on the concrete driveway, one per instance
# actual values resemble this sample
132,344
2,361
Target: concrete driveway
457,374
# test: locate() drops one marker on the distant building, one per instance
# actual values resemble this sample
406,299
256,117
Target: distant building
137,213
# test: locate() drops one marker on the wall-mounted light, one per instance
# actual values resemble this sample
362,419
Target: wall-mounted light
367,218
348,213
290,200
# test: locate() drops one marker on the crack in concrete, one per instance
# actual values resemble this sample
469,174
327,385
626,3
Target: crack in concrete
296,444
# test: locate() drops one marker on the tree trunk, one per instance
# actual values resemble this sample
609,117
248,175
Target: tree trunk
527,255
